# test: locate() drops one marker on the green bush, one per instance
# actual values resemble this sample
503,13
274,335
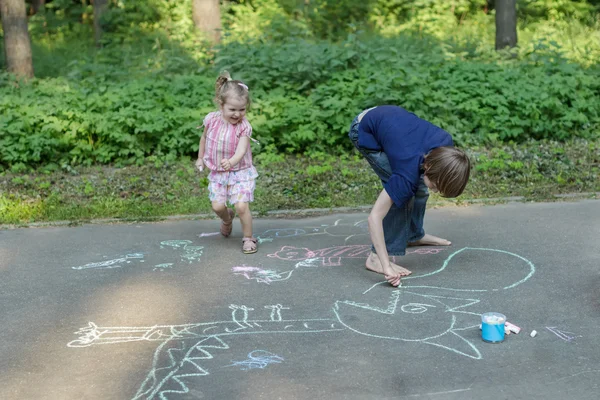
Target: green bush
147,89
302,104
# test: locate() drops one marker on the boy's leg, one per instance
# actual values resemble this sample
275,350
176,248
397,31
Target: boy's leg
417,215
417,235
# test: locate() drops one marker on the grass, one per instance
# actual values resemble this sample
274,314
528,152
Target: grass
535,171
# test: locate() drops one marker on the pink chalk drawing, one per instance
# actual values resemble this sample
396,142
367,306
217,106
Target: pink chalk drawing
332,256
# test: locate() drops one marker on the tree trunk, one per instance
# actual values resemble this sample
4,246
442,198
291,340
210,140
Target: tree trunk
36,5
99,8
17,44
506,23
207,18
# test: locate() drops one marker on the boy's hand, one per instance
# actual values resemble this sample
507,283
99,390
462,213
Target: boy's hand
226,164
200,164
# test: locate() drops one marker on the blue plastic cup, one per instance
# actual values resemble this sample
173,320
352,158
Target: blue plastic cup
492,327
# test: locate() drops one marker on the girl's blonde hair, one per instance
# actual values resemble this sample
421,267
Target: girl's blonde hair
448,168
226,87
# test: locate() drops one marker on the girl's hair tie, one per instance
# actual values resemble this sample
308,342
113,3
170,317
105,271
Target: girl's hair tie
243,85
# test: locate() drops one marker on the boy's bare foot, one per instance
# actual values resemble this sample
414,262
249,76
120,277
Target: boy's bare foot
373,264
430,240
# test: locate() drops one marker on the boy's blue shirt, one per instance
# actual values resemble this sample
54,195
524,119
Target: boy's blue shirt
405,139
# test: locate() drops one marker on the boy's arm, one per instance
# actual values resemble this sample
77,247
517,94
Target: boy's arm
240,150
378,212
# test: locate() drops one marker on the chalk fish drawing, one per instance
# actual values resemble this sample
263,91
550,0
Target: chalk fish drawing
257,359
421,311
413,309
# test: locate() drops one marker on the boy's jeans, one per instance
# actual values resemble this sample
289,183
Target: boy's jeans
403,224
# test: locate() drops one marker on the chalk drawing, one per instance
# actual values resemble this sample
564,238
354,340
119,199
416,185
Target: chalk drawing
188,254
333,256
420,314
162,267
411,310
338,229
261,275
174,243
209,234
185,348
276,311
257,359
563,335
114,263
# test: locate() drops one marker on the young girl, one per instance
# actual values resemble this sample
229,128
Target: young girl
225,150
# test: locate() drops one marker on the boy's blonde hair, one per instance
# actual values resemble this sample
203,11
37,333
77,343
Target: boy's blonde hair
448,168
225,87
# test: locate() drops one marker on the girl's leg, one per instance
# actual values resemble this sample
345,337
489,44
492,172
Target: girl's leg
226,216
249,243
243,211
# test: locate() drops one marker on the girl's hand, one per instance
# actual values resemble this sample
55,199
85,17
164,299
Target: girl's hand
225,164
200,164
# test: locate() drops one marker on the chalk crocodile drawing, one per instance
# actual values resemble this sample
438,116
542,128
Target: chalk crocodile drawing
421,311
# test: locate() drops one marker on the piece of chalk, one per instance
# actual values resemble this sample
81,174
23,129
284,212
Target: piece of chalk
533,333
513,328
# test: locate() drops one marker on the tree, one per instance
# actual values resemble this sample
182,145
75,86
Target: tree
506,24
207,18
99,8
17,44
36,5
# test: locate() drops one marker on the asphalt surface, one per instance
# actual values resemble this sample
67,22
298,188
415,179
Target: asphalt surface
172,310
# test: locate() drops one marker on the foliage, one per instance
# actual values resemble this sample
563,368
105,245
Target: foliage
305,95
534,169
312,66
